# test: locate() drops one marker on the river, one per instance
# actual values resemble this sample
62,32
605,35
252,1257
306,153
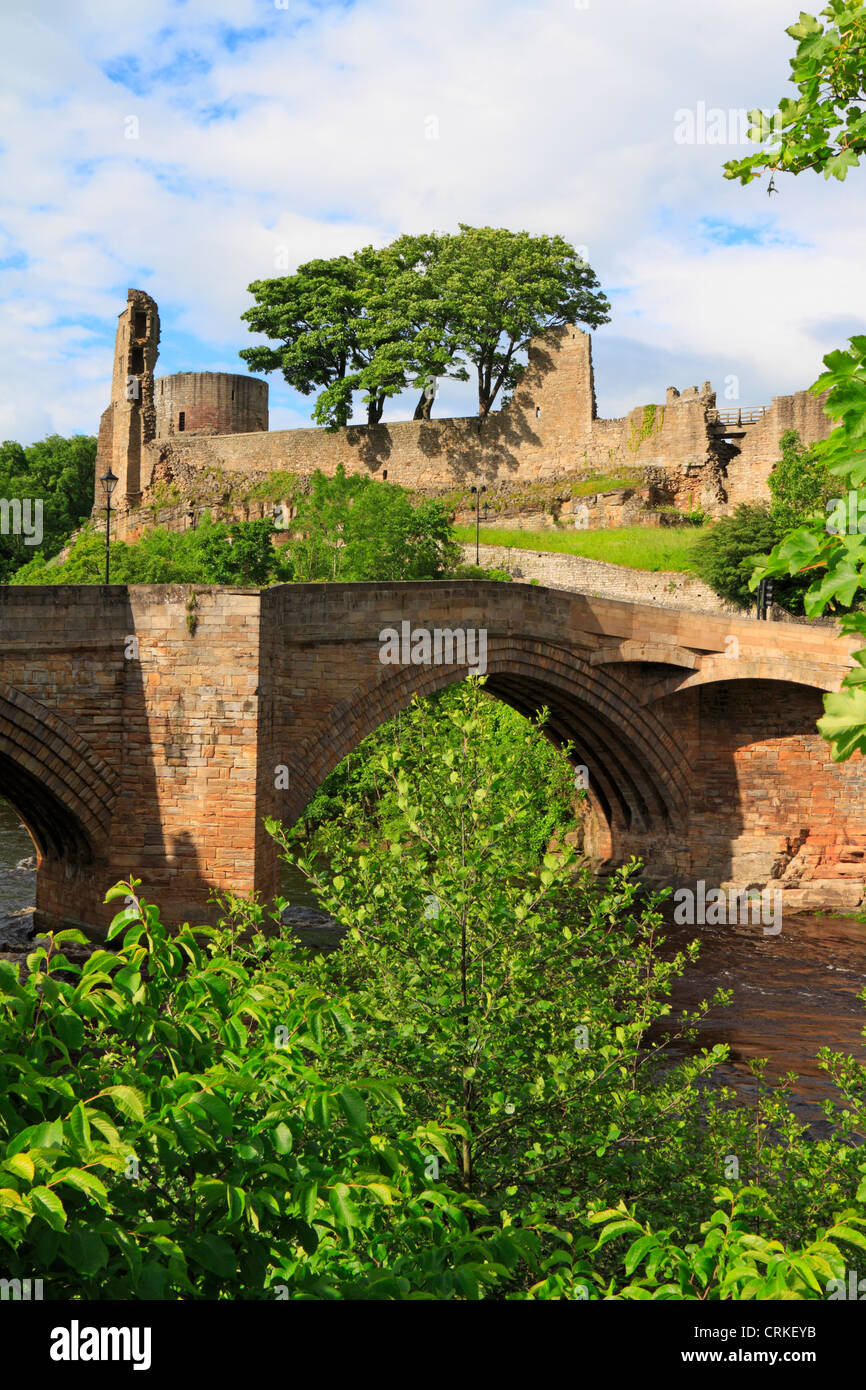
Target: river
793,993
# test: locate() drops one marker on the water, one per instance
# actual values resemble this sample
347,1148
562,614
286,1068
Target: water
17,885
793,993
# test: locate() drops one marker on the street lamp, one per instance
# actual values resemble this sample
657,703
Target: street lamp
109,483
478,491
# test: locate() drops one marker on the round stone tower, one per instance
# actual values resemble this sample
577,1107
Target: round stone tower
209,403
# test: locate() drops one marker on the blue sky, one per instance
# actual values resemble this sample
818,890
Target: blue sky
184,146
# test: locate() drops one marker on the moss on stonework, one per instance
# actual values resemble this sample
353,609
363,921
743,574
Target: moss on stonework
653,419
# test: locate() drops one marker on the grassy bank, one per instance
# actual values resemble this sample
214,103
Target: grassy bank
636,547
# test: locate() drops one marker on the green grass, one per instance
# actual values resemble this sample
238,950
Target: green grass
636,547
607,482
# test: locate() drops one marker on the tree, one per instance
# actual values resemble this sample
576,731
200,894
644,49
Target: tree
825,129
243,553
57,473
726,556
799,485
353,528
421,308
501,288
312,314
354,323
512,999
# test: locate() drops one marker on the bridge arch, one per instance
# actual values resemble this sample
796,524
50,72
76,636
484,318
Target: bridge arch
638,774
63,792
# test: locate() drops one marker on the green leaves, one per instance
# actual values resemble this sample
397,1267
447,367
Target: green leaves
343,1206
423,307
48,1205
822,128
128,1101
220,1168
353,1107
844,722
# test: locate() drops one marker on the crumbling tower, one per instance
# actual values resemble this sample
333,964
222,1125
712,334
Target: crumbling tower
129,423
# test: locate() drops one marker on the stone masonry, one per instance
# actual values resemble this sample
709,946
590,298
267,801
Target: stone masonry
171,431
149,730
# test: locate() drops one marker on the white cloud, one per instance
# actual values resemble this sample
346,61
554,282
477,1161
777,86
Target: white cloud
546,117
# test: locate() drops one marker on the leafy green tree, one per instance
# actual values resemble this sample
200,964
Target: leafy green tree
354,323
501,288
513,1000
313,316
353,528
725,557
824,129
799,483
243,553
420,308
357,784
59,473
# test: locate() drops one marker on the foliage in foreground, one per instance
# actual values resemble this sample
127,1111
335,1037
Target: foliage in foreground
471,1098
165,1132
823,128
524,1005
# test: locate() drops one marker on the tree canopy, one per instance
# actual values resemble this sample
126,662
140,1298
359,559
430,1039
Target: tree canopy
423,307
56,472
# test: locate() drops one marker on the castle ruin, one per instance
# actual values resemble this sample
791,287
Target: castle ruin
171,431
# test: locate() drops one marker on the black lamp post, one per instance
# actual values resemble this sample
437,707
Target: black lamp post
109,483
478,491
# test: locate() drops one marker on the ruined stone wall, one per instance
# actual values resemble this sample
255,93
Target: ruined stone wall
747,473
548,432
209,403
128,426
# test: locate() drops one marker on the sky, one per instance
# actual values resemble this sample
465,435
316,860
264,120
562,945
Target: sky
188,147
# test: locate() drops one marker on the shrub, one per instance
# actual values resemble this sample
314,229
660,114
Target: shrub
165,1133
725,557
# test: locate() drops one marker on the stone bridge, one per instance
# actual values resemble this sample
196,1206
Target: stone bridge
149,730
